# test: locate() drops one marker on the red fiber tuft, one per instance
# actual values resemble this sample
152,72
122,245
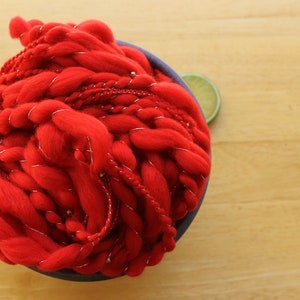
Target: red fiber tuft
100,155
98,29
18,27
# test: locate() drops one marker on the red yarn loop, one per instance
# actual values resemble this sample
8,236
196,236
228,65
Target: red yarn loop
101,153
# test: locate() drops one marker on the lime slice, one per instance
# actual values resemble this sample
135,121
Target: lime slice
206,94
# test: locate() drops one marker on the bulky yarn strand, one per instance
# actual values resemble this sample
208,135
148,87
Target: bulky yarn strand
101,154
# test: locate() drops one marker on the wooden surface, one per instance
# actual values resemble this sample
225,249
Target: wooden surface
245,241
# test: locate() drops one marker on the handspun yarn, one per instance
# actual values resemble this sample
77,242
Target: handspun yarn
101,154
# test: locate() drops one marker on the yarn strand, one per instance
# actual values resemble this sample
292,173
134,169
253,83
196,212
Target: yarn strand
101,153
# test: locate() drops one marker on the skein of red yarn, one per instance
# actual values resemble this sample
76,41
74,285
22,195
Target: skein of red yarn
101,154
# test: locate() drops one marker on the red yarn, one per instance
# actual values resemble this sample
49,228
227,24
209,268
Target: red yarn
100,155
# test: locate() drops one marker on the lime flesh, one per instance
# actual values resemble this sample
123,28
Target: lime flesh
206,94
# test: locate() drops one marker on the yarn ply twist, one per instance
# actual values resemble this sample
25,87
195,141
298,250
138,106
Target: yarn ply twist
101,154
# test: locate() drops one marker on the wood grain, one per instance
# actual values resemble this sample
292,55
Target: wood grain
245,241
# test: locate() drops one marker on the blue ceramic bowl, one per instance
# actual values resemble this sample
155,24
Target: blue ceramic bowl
181,225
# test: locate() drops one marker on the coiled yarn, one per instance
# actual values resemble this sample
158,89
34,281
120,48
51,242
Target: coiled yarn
101,154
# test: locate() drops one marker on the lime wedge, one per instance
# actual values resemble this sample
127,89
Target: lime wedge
206,94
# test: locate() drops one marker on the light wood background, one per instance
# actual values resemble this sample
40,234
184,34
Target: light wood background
245,241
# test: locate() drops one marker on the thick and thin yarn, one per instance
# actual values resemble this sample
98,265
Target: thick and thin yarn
101,154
